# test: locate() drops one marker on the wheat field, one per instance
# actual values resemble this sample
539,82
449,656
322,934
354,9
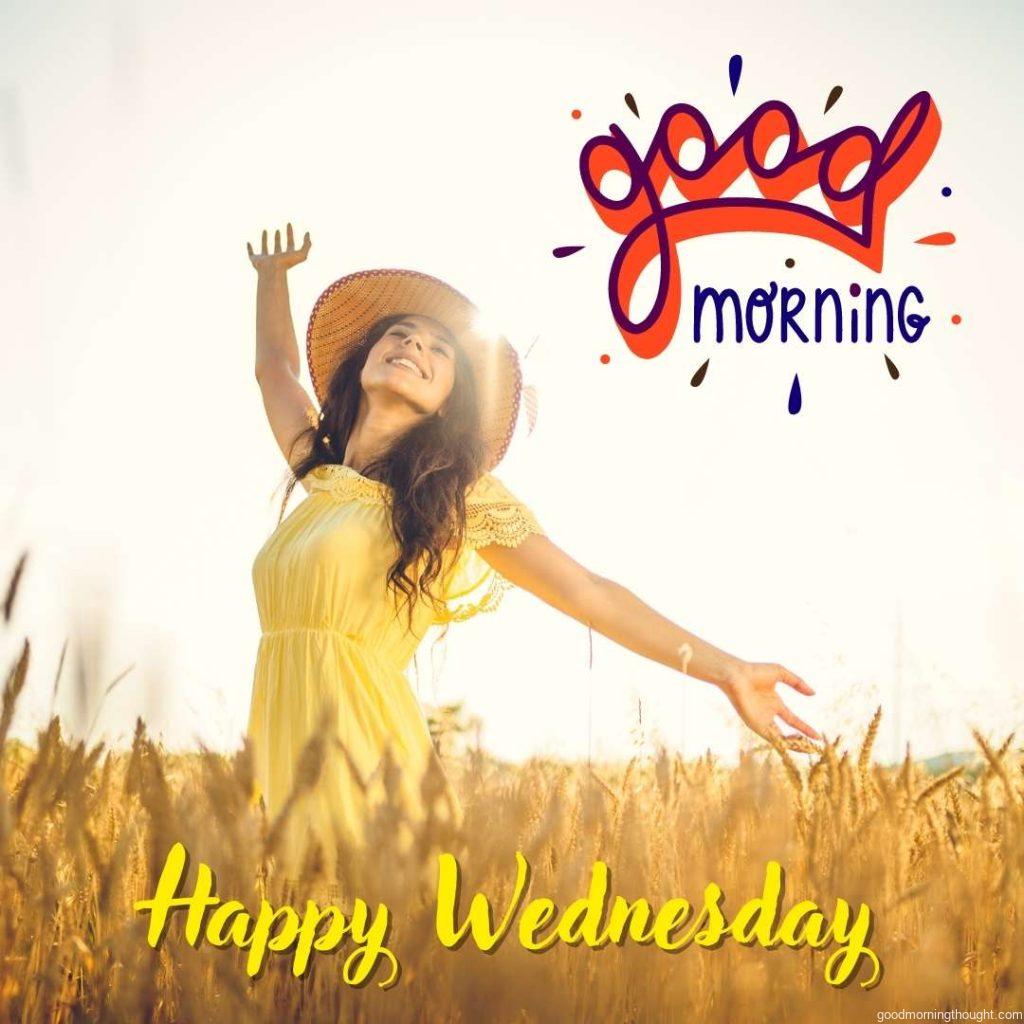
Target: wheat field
84,832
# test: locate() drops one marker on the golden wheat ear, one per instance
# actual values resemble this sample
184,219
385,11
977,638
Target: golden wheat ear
803,746
12,691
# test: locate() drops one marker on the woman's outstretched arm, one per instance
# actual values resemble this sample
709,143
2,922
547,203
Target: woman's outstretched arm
539,566
285,400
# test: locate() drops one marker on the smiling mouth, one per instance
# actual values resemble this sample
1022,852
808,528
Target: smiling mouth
407,364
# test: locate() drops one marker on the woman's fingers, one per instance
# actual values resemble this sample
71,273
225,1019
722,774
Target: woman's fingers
287,250
792,679
798,723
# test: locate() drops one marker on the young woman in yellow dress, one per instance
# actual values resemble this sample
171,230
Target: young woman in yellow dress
404,527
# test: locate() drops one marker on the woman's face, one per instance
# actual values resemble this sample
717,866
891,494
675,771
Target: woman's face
414,360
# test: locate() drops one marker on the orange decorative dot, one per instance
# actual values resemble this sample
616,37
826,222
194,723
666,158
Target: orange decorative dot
577,114
956,318
606,359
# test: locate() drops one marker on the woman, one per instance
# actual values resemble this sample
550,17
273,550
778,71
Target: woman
404,527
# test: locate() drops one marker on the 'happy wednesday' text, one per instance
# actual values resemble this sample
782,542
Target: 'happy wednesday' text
593,920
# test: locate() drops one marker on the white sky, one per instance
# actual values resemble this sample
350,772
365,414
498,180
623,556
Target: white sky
873,538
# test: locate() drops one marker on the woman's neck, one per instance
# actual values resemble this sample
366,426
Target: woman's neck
375,431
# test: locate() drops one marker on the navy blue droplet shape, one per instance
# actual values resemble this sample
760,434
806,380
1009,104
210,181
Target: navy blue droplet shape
795,398
735,69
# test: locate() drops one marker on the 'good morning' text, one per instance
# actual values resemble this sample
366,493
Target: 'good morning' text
859,176
793,314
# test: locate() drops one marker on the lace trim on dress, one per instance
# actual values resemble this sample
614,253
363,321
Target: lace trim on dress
493,516
345,482
505,523
488,521
497,587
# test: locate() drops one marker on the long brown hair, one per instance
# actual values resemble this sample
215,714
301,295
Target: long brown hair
428,469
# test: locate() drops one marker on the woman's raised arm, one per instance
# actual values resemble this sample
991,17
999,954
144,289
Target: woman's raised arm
544,569
285,400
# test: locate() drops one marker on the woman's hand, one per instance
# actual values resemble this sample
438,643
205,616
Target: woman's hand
750,688
277,260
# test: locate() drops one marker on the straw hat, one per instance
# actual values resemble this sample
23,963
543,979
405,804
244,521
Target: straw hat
346,309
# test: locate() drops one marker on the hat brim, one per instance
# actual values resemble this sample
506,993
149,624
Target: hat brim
346,310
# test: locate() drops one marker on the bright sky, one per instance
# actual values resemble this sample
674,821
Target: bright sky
871,543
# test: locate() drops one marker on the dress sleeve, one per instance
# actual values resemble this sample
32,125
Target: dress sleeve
494,515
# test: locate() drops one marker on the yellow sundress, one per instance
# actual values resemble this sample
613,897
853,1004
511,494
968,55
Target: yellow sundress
333,644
